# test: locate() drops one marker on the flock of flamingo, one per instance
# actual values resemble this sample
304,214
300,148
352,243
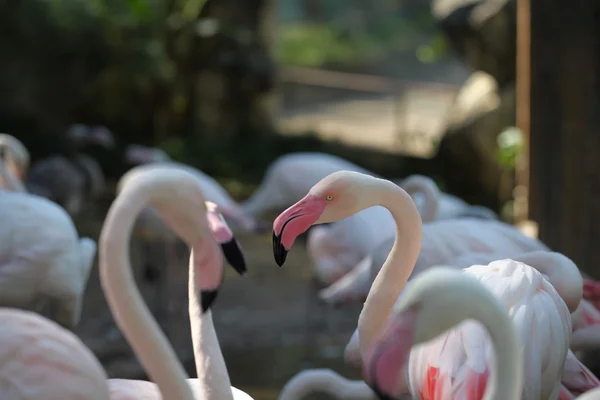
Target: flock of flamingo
457,304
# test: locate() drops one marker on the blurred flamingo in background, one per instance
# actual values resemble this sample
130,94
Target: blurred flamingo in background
442,242
434,204
70,178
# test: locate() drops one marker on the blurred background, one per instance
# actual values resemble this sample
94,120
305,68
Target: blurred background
398,87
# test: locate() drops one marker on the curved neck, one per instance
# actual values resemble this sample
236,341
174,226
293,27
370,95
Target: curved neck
561,272
9,180
325,381
506,378
429,190
400,263
210,364
128,308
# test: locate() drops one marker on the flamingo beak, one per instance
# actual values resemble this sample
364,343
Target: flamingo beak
207,298
293,222
234,256
224,236
383,366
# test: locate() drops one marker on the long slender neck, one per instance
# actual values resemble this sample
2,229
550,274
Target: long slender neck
430,192
397,268
506,379
210,364
128,308
325,381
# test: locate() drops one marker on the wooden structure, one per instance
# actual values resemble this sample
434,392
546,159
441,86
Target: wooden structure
564,130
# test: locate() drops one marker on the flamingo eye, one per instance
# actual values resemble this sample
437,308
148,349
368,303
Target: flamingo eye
329,198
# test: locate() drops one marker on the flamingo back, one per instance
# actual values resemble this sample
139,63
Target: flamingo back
41,360
456,365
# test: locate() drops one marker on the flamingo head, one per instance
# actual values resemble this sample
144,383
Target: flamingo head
335,197
224,236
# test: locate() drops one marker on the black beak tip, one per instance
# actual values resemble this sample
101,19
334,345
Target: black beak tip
234,256
279,252
207,298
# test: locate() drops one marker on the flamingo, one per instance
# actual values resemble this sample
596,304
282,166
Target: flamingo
42,360
443,241
459,363
69,177
290,176
355,287
175,194
325,381
49,354
41,255
214,192
435,205
431,312
345,246
345,193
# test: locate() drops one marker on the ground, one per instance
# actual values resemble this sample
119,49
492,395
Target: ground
270,323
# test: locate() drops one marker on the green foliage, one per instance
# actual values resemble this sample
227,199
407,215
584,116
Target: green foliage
510,147
312,45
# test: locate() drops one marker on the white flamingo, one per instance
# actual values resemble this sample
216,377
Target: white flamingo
345,193
434,204
442,242
41,255
177,196
137,154
460,363
49,354
290,176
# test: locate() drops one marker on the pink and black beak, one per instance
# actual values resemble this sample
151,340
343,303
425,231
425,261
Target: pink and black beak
224,236
293,222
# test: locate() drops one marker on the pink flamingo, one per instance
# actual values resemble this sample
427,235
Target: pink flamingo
49,354
442,242
345,193
175,194
290,176
458,364
435,205
214,192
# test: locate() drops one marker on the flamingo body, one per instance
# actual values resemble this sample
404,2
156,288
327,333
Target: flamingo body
41,360
41,256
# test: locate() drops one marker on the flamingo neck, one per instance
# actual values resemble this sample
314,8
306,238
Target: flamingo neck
394,273
210,364
324,381
506,378
430,192
127,305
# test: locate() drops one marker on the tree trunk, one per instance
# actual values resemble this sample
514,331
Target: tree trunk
565,128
